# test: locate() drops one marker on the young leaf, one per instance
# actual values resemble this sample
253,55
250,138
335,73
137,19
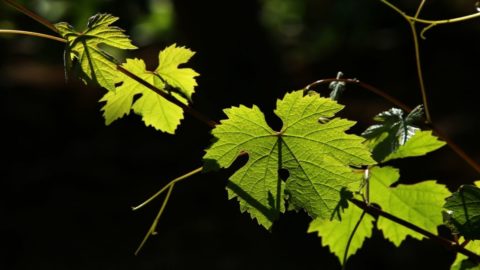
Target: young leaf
336,233
421,143
462,262
316,155
154,109
419,204
462,212
182,78
394,130
83,47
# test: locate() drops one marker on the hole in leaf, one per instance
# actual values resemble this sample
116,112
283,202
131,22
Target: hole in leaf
283,174
274,122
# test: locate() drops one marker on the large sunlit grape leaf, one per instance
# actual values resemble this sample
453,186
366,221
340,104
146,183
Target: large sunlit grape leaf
316,154
182,78
336,233
394,130
83,47
155,110
462,211
462,262
420,204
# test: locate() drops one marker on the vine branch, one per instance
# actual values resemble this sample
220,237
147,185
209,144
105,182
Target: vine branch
172,99
31,14
438,239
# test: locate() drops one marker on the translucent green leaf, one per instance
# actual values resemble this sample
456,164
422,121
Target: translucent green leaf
421,143
395,129
96,64
420,204
336,233
316,155
182,78
462,212
155,110
462,262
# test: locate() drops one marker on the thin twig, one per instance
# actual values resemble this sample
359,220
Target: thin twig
33,34
31,14
443,21
174,181
365,86
438,239
455,148
151,230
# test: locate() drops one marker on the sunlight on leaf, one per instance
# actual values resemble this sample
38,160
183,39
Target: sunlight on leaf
83,47
316,155
336,233
420,204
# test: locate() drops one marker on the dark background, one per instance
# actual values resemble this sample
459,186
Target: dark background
68,181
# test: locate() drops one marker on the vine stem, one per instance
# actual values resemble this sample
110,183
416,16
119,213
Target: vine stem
152,229
435,22
365,86
168,188
33,34
438,239
430,24
31,14
171,183
210,123
455,148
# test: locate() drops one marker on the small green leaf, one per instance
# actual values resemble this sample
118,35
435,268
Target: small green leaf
462,212
394,130
336,233
421,143
316,155
182,78
419,204
96,64
155,110
462,262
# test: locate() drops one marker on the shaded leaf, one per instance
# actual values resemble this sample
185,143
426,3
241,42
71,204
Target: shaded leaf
462,262
394,130
316,155
462,212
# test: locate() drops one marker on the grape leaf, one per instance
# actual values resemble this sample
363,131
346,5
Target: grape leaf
462,212
95,63
316,155
182,78
462,262
154,109
336,233
421,143
419,204
394,130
